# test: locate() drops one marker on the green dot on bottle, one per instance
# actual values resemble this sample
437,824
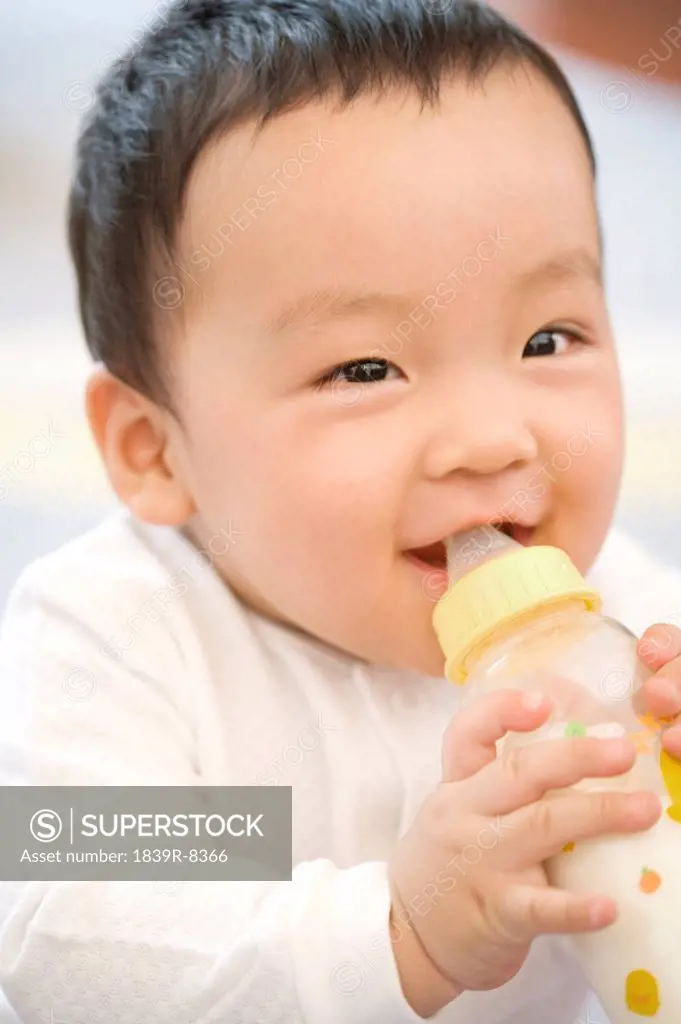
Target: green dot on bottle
575,729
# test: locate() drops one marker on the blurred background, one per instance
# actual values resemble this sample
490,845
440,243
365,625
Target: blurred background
623,58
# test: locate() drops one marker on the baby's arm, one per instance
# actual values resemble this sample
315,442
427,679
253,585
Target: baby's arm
233,952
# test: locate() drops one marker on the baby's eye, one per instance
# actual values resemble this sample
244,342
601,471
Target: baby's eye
549,343
359,371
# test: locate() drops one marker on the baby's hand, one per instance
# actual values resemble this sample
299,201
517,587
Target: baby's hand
660,649
468,886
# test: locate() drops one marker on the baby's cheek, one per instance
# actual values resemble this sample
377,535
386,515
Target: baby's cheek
591,490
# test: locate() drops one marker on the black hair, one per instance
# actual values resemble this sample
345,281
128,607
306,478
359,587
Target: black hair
203,68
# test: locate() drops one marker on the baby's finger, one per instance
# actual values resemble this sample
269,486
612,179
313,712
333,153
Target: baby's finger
523,774
542,829
525,912
470,740
671,742
660,695
659,645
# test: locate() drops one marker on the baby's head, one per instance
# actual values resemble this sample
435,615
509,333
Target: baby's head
341,262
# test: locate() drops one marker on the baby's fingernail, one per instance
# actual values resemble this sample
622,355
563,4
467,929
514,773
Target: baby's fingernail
533,700
600,910
644,803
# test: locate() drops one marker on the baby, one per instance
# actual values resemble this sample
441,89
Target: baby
339,263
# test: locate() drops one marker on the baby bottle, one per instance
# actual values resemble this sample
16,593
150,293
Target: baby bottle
524,618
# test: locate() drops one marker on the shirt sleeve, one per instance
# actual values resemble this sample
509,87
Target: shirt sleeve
312,949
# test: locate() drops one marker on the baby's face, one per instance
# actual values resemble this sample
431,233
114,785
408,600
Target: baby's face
398,333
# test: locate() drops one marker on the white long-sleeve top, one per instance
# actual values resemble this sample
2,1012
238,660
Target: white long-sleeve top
125,660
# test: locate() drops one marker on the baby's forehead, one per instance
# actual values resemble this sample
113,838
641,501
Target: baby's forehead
387,191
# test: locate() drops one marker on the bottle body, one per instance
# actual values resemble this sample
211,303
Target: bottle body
588,666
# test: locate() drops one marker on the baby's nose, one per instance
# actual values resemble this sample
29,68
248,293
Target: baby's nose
514,449
484,443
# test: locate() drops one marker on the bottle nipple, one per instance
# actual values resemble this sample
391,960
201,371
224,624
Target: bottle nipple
469,549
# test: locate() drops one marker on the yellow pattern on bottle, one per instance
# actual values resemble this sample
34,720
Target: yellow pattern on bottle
671,773
642,994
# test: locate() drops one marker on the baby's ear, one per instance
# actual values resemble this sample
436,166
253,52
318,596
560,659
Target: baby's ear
135,440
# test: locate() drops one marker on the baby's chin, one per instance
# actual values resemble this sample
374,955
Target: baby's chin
427,663
410,653
404,637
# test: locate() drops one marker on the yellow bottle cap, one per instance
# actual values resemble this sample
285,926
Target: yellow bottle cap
500,591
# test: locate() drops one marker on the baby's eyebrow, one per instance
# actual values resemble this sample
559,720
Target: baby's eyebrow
323,304
564,266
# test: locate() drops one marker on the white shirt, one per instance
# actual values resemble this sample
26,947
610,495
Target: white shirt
124,659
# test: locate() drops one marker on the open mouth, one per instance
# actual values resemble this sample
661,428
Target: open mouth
434,556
